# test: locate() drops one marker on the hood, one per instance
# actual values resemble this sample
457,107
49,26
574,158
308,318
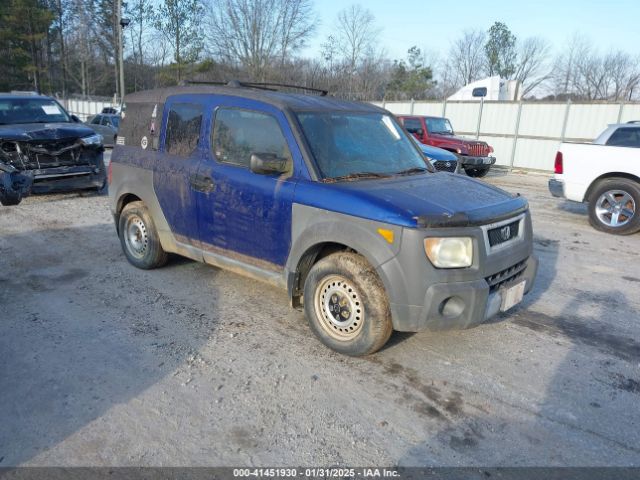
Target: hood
25,132
439,154
455,139
424,200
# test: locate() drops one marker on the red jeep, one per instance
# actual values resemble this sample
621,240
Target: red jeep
437,131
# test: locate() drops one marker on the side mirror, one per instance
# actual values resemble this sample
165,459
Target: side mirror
268,163
75,119
479,92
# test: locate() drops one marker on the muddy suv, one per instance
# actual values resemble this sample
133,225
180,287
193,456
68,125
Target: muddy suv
328,199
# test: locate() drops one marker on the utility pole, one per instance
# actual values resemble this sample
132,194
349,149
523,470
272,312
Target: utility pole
120,24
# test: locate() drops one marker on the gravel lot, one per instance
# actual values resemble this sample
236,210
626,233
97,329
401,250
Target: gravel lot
104,364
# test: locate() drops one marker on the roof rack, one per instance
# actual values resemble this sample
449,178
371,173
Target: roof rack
261,86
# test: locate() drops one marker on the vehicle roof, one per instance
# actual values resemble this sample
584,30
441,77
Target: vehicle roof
292,101
23,96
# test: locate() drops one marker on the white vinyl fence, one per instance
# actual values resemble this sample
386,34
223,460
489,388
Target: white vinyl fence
84,109
524,135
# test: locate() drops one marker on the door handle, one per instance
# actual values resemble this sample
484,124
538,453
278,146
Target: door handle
202,183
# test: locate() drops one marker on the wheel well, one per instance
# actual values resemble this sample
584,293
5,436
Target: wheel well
606,176
312,256
123,201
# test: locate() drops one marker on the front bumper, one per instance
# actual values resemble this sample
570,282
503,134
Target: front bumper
468,161
64,179
474,303
423,297
556,187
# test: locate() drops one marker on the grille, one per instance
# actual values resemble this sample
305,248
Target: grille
479,149
503,233
505,276
443,166
55,153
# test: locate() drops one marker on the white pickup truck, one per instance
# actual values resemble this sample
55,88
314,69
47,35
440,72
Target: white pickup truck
606,174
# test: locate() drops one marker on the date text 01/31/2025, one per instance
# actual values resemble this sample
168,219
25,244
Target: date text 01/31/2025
316,472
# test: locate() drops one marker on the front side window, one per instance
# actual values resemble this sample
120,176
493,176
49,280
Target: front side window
625,137
346,144
183,128
413,125
237,134
440,126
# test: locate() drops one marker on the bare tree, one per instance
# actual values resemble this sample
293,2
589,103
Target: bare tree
467,56
179,21
355,31
255,33
532,69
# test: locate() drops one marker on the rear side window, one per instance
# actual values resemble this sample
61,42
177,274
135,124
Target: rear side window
625,137
183,128
412,125
239,133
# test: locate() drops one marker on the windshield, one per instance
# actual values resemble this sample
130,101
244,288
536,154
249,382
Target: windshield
31,110
352,144
440,126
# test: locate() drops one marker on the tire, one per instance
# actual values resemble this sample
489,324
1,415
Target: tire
614,206
9,199
346,282
476,172
139,238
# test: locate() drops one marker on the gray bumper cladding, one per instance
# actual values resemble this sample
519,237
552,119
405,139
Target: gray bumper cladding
556,187
460,305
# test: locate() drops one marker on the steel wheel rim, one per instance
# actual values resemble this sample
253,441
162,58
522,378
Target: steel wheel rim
136,236
339,308
615,208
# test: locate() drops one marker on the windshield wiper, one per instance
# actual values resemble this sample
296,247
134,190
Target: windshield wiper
412,171
354,176
444,132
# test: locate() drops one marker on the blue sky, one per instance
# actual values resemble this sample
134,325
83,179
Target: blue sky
433,25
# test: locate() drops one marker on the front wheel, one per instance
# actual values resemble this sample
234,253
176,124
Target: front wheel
346,304
9,199
476,172
139,237
613,206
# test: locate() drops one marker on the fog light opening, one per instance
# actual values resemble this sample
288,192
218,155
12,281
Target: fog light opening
452,307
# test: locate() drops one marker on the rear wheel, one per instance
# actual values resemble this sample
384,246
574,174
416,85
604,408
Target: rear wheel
346,304
476,172
139,237
614,206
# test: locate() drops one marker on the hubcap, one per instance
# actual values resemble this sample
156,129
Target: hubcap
615,208
339,307
136,236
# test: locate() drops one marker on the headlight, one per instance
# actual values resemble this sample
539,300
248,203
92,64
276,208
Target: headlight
449,252
94,140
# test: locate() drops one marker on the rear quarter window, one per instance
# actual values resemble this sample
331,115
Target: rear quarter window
184,121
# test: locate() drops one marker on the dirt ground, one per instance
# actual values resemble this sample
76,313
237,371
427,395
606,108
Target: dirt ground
189,365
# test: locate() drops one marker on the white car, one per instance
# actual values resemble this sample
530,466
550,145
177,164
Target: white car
606,174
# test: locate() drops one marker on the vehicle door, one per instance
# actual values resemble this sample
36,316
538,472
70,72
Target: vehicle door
181,150
247,215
